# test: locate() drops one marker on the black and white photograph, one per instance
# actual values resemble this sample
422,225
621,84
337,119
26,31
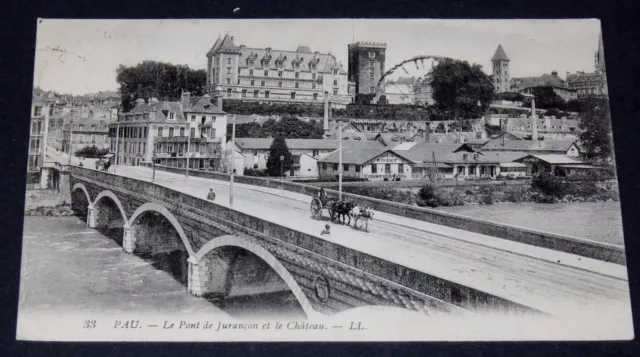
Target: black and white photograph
322,180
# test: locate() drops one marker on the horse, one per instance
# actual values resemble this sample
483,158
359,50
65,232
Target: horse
342,208
364,214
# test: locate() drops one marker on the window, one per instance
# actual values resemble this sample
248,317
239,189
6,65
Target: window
472,170
357,168
374,168
335,72
171,132
255,93
313,85
255,152
228,70
315,153
37,111
266,94
262,84
293,95
400,168
192,132
297,85
280,84
172,115
93,127
253,82
372,89
81,127
335,167
251,72
228,80
228,92
345,167
335,92
280,73
335,82
228,60
387,168
372,54
193,118
315,96
297,74
313,76
244,93
324,165
266,73
182,131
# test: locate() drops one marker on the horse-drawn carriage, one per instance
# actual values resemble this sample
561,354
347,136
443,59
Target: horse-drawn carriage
104,162
340,209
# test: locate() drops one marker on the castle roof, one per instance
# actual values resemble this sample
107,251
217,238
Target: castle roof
500,55
545,80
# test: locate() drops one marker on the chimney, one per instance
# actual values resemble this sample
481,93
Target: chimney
184,100
534,121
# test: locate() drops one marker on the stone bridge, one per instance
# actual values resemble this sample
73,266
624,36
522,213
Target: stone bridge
219,251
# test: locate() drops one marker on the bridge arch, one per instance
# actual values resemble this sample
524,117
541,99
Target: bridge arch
115,199
267,257
80,186
154,207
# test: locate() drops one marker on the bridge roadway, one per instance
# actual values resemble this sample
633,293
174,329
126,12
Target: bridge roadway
554,282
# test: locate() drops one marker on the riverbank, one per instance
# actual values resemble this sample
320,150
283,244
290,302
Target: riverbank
46,203
446,196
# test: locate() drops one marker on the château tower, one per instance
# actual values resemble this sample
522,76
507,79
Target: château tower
500,74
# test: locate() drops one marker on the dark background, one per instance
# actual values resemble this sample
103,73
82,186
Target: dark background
17,47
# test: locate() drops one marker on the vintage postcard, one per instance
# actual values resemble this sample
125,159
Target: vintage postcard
322,180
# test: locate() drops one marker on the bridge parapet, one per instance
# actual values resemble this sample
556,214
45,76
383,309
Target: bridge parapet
315,268
586,248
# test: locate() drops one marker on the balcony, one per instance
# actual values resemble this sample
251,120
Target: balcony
184,139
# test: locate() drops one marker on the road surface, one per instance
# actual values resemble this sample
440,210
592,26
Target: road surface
558,283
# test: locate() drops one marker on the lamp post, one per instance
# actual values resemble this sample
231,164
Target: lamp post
70,136
117,146
153,158
186,173
339,161
233,149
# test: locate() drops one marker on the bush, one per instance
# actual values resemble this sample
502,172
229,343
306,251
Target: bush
255,172
548,184
91,152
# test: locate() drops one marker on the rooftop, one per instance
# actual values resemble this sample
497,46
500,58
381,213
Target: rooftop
528,145
500,55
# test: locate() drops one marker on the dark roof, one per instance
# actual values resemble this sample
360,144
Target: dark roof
161,110
359,153
527,145
545,80
421,151
203,104
500,55
303,49
292,144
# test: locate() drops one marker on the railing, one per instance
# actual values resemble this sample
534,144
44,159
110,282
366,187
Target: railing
596,250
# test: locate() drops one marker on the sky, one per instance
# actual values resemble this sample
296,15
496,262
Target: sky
81,56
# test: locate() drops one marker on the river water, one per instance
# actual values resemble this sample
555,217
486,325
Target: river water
69,267
598,221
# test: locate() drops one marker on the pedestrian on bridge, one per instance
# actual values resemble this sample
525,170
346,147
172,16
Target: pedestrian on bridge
212,195
326,230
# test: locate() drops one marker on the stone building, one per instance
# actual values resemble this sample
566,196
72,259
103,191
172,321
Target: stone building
365,160
42,106
500,72
90,128
526,85
269,75
366,66
594,83
170,131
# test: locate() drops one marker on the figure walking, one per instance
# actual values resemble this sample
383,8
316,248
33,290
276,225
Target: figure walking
212,195
326,230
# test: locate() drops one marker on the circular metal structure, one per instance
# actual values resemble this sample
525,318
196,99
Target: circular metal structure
418,61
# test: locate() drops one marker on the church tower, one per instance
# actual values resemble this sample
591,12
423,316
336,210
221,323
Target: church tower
500,75
599,57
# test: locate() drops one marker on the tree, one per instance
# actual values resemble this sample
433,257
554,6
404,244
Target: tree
547,98
288,127
441,128
164,81
278,148
595,126
461,89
